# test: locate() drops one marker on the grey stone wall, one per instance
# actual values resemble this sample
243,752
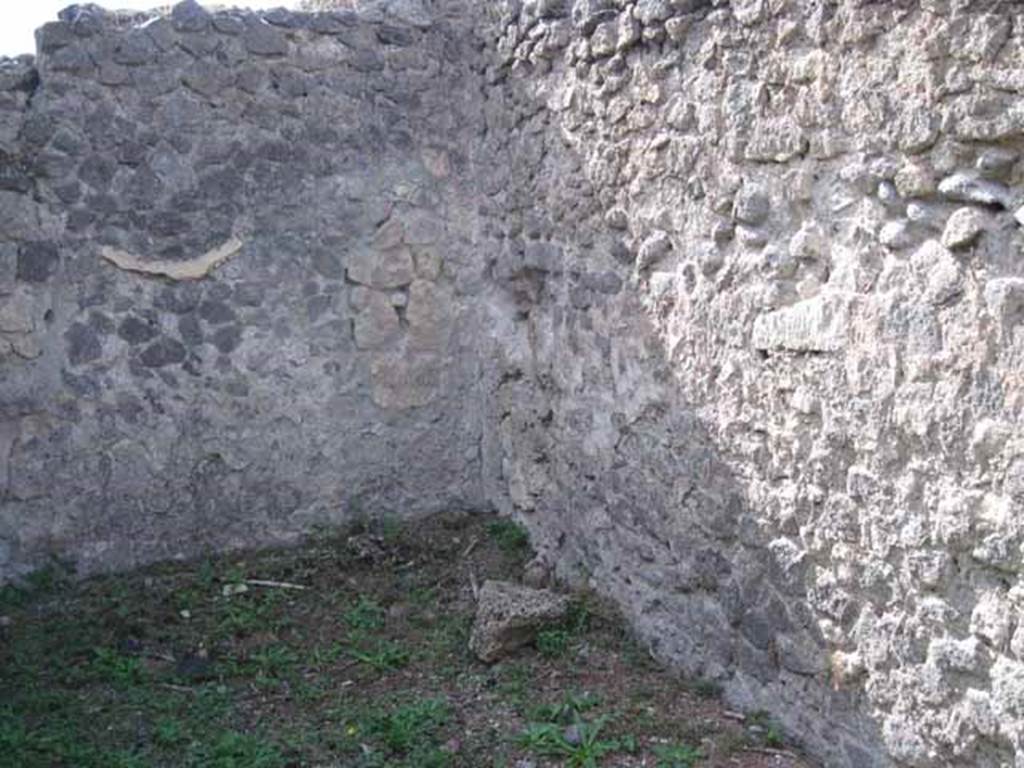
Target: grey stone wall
724,300
234,252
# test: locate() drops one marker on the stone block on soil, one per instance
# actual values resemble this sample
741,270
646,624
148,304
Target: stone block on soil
508,616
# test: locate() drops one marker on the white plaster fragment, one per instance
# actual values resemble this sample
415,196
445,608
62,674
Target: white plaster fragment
193,269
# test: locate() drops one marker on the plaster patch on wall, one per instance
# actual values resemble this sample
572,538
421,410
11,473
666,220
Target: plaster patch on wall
194,269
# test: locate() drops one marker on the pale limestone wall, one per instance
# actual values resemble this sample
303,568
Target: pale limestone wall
791,444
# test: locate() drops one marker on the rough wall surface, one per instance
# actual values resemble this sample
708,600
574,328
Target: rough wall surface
724,299
230,250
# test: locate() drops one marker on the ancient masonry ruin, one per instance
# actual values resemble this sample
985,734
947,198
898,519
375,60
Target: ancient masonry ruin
723,299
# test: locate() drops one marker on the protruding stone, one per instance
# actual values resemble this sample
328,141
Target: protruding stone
752,205
818,324
384,269
264,40
190,16
915,180
941,272
969,187
617,219
963,228
376,324
653,250
996,162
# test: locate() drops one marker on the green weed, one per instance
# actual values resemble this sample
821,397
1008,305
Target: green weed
382,655
111,666
553,643
510,536
408,735
567,710
237,750
365,616
676,756
584,749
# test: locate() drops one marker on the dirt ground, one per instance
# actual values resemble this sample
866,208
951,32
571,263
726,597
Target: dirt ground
348,651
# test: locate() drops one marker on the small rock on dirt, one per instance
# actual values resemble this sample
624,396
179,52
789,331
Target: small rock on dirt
509,616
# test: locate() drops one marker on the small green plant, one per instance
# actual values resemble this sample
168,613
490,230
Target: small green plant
553,642
773,736
582,748
408,725
769,731
510,536
247,613
168,732
43,581
237,750
390,529
324,655
565,711
676,756
406,736
382,655
274,661
121,671
365,616
581,614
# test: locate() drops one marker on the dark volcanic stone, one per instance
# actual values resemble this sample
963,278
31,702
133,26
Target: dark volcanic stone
227,339
135,330
191,330
163,351
190,16
135,48
264,40
178,299
37,262
216,312
83,344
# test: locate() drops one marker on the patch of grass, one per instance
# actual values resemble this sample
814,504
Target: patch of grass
117,669
274,661
390,529
513,683
510,536
99,674
169,732
581,615
238,750
366,615
409,734
44,581
676,756
247,613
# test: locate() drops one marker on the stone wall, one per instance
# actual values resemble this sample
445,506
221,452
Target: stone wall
231,247
790,447
724,300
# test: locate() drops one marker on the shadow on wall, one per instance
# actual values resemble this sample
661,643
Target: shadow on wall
623,482
626,490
